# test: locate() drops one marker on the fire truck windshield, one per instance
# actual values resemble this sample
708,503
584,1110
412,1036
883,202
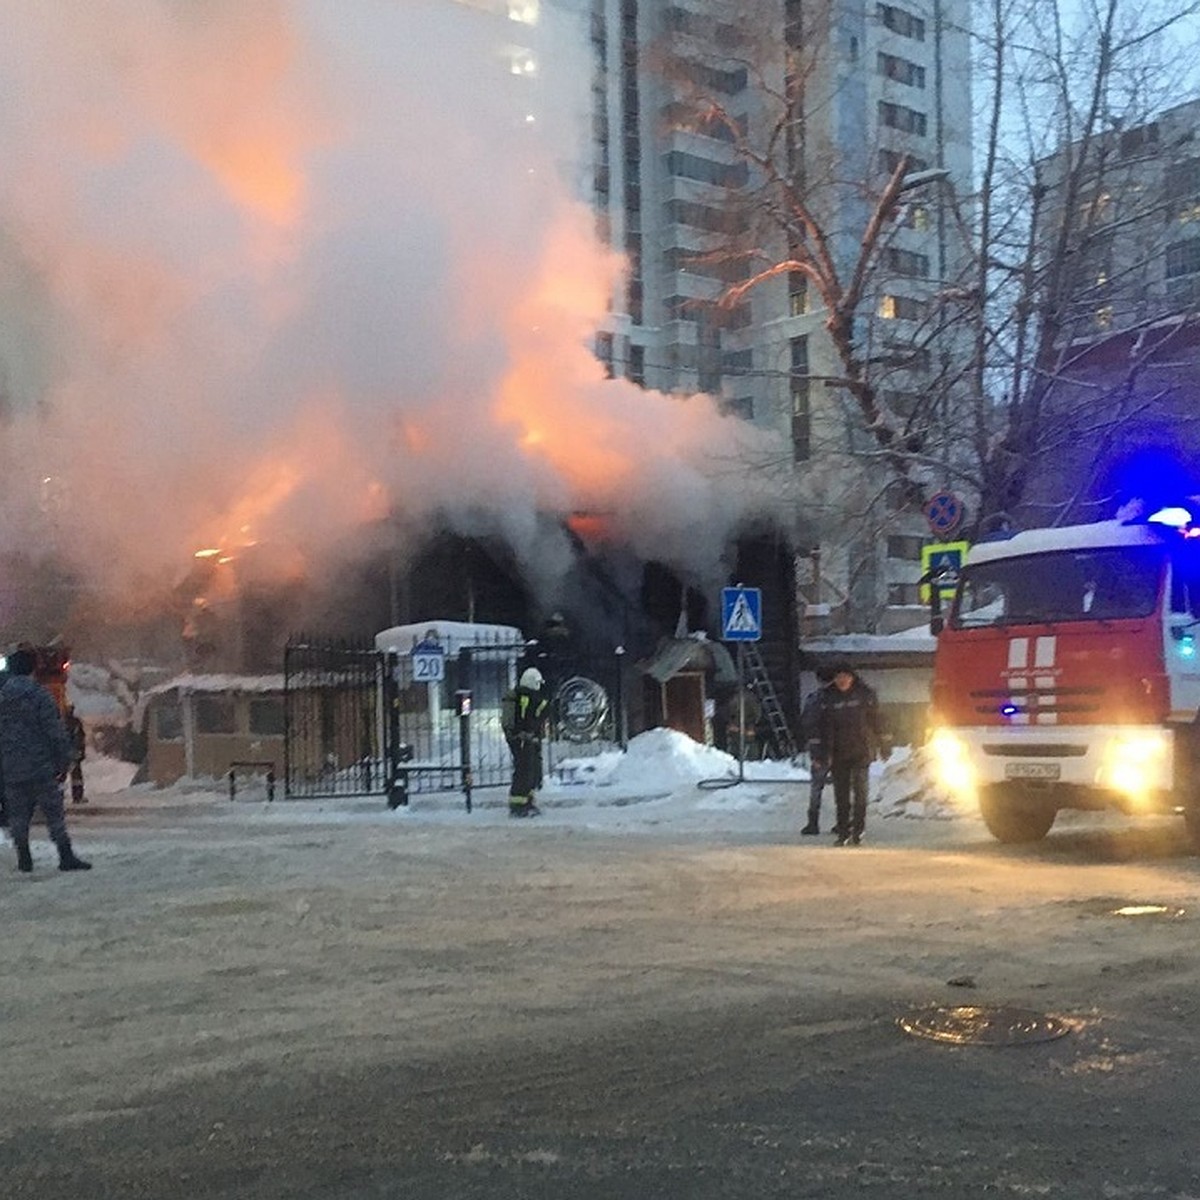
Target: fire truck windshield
1092,584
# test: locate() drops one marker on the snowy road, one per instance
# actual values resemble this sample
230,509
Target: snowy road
243,1001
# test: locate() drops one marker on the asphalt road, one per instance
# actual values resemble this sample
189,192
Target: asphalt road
599,1017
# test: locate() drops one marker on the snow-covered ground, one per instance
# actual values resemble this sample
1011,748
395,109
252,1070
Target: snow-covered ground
664,778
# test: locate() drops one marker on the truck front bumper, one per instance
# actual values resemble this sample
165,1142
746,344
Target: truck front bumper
1133,765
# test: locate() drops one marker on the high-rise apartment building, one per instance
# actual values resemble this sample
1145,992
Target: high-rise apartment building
866,83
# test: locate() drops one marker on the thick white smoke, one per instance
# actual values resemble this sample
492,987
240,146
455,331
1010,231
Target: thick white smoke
271,269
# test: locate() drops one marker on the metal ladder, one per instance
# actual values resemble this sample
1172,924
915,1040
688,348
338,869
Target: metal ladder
759,681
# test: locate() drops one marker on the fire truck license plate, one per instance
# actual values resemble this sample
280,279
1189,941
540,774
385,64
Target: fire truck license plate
1032,770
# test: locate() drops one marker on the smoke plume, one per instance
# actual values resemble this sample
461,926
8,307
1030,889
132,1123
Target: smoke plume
271,270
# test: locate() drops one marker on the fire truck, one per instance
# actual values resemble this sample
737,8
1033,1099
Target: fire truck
1067,674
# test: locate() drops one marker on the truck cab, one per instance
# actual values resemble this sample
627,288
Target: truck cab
1067,675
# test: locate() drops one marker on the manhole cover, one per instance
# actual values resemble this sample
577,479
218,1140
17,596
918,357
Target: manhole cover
975,1025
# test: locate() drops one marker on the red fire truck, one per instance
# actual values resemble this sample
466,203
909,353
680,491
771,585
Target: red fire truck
1067,674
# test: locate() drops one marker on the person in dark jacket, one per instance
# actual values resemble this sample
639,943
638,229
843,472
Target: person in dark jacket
524,734
78,738
810,737
850,737
35,756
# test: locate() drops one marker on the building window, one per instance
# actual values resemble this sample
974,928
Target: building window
797,294
168,722
1183,258
898,116
900,21
215,714
524,12
637,365
739,406
706,217
705,170
904,594
801,408
1142,140
266,717
891,66
1182,179
905,547
906,262
902,308
713,79
604,352
737,362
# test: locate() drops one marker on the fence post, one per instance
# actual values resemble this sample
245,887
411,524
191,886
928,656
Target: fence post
232,784
463,699
622,717
397,780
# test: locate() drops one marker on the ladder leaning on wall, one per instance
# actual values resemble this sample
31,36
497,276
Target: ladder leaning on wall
758,680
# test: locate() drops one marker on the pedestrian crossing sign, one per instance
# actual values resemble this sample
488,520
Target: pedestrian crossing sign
943,561
741,614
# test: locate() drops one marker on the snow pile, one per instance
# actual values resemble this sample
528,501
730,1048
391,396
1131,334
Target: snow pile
905,787
667,759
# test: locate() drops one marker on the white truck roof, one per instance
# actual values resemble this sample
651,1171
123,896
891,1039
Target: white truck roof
1096,536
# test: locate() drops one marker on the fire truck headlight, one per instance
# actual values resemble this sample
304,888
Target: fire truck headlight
1135,763
952,762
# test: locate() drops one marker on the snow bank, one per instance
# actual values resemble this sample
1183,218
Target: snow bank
669,759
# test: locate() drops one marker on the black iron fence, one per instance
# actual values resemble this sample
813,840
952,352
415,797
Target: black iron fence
427,718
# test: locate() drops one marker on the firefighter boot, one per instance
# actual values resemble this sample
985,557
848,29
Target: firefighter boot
68,860
24,858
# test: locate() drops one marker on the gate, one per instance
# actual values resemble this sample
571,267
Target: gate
356,722
333,733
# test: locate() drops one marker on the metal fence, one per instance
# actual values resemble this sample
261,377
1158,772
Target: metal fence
357,722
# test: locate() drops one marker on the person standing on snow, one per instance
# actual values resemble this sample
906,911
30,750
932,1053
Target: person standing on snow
523,729
810,737
35,756
849,738
78,737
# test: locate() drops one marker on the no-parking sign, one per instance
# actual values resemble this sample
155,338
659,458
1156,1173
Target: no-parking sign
944,512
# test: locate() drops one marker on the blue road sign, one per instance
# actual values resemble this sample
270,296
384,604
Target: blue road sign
741,614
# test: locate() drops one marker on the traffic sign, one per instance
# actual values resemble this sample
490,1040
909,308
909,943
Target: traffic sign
944,512
428,662
741,614
944,560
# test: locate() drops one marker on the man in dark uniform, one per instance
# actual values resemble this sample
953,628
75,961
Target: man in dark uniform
524,734
35,756
850,737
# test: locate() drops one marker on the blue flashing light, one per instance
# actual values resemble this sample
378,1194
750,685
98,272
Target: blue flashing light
1187,646
1172,515
1009,710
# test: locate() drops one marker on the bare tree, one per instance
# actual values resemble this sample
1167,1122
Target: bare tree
1055,245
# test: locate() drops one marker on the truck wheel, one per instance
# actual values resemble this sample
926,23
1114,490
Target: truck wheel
1191,818
1013,815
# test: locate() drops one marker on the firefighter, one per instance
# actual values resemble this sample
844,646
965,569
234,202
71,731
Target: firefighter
523,727
78,737
849,738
